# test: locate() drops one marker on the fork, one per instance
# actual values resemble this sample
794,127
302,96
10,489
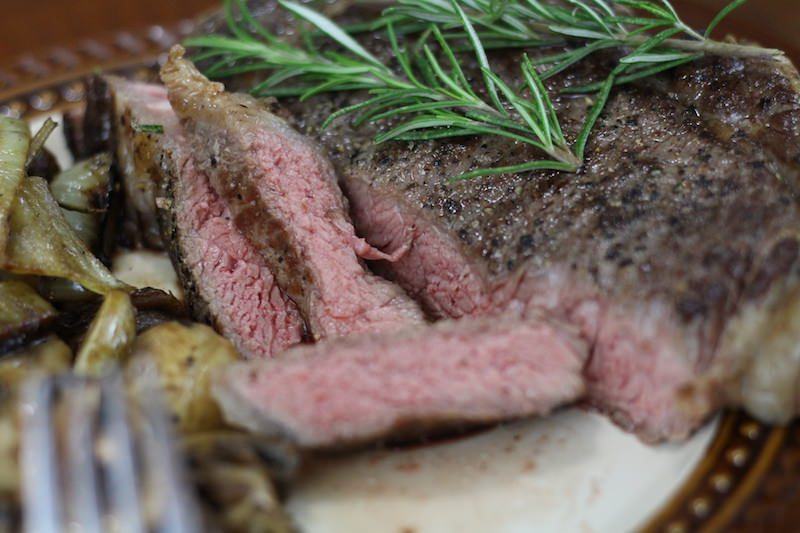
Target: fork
92,461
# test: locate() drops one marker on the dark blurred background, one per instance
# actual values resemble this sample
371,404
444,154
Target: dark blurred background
38,25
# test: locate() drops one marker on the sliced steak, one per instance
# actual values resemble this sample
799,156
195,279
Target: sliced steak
381,386
226,280
284,198
671,249
132,163
653,249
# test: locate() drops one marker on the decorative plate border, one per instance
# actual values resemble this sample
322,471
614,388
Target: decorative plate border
723,485
40,84
750,477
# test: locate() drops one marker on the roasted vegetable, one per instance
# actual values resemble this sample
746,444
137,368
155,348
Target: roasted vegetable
234,473
23,314
182,357
9,471
41,242
111,220
83,193
147,268
50,355
44,165
85,225
37,143
158,301
153,307
15,140
63,292
84,187
109,337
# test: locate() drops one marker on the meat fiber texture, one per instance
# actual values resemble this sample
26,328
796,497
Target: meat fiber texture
283,196
226,281
674,250
454,374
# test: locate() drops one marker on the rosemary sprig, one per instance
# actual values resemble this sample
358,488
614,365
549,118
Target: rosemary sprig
431,96
596,24
428,95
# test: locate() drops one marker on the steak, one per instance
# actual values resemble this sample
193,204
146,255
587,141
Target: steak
674,249
379,386
283,197
141,219
225,279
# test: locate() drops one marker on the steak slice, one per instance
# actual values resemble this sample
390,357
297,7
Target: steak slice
283,195
108,123
426,378
225,279
672,249
674,229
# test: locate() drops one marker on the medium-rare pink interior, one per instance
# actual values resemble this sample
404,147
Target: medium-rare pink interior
424,261
247,304
225,279
642,371
283,195
368,387
299,186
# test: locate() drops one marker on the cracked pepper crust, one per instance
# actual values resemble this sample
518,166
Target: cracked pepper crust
688,192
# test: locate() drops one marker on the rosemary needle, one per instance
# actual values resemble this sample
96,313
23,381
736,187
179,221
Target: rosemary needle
430,94
593,24
429,97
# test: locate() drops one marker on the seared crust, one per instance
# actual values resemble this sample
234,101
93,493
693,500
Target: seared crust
701,162
284,199
156,161
166,211
666,248
269,233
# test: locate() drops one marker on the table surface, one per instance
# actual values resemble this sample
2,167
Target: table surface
38,25
33,26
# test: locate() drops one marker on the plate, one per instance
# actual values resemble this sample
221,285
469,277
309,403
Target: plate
574,471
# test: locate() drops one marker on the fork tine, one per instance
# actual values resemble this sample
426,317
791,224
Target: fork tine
116,448
38,459
84,467
163,468
81,399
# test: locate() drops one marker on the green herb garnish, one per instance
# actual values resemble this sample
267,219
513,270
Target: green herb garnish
651,33
158,129
428,91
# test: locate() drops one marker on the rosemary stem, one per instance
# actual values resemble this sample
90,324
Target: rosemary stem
432,98
717,48
565,155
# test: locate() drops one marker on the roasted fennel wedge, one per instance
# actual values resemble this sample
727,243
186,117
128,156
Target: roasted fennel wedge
42,242
15,139
23,314
179,359
85,186
50,355
36,147
239,477
85,225
110,335
83,193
